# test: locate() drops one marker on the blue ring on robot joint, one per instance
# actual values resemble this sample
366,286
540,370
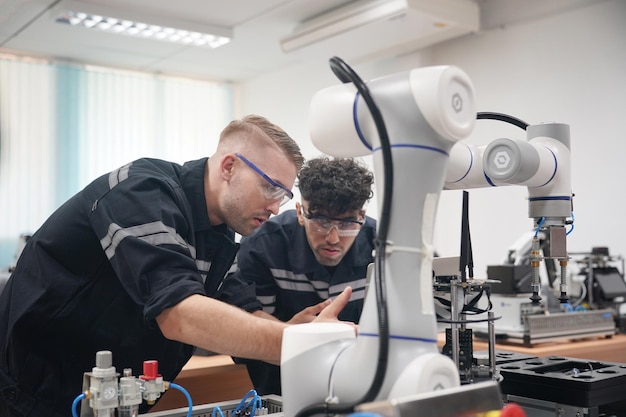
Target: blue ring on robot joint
557,198
411,145
556,167
410,338
356,122
471,164
488,179
369,146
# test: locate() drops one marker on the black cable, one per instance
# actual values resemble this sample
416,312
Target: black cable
470,307
466,243
470,253
346,74
503,118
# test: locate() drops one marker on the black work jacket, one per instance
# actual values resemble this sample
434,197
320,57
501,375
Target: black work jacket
277,271
96,275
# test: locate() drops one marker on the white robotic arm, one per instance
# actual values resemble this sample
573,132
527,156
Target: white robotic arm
426,111
437,101
542,164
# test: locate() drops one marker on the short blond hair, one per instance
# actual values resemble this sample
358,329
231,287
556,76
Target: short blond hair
251,125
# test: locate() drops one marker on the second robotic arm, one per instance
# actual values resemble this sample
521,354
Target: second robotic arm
542,164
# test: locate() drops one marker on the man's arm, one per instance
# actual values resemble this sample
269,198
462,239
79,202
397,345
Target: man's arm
264,315
218,327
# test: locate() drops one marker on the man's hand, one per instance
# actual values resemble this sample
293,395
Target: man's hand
310,313
330,313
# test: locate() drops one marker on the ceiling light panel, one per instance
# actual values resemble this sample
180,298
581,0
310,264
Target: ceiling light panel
147,27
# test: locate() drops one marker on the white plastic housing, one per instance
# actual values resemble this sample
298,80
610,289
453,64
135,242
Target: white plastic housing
341,123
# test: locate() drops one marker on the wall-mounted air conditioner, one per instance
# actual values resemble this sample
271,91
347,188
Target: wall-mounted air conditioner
366,28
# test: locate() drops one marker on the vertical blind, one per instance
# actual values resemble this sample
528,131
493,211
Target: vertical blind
61,126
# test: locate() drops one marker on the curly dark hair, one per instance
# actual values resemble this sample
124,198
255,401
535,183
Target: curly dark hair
335,185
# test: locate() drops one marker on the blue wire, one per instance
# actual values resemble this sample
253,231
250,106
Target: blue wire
217,408
572,229
75,403
243,404
184,391
243,400
543,219
258,404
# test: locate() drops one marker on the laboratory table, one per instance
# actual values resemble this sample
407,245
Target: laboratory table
217,378
607,349
208,379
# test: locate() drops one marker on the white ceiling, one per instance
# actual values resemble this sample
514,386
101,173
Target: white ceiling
27,27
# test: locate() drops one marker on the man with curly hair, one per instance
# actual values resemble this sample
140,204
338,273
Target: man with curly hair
296,262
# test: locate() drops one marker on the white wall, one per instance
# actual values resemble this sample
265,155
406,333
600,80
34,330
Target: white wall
568,68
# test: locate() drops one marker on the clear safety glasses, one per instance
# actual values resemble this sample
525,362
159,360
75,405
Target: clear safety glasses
322,225
272,190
